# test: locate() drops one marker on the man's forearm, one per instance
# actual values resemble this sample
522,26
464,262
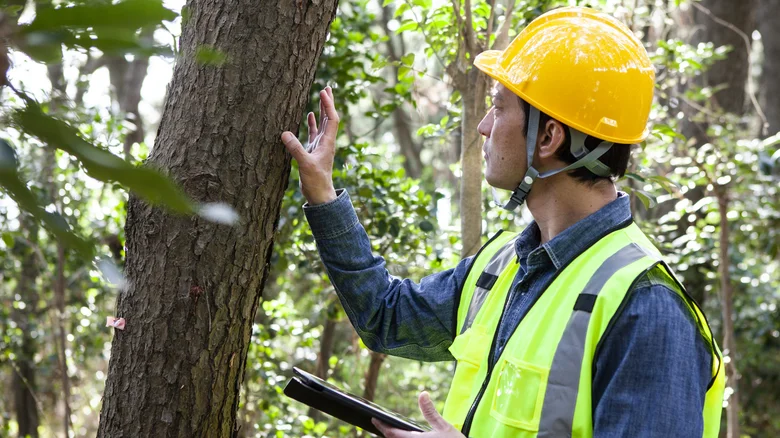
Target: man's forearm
392,315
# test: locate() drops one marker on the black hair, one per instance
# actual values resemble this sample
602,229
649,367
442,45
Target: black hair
616,158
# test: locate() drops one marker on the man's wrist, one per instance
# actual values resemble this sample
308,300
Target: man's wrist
322,198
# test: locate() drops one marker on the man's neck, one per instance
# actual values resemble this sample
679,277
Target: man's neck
560,202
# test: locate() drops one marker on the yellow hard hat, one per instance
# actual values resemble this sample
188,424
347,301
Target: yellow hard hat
582,67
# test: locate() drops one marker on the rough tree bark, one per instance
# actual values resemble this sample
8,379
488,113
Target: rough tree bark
193,287
769,86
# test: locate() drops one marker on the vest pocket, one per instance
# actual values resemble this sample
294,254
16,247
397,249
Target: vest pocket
519,394
470,350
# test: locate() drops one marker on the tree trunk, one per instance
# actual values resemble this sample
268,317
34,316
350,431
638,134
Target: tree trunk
727,306
193,287
372,375
59,298
474,93
722,22
401,122
769,87
24,379
127,78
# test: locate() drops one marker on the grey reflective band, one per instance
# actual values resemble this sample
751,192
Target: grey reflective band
588,160
500,260
563,383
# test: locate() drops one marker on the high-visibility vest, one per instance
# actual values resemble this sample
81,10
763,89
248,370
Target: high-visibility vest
540,386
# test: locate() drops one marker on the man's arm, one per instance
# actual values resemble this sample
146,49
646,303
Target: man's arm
391,315
652,372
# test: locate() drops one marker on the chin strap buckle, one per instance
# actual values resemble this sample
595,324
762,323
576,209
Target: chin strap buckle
521,192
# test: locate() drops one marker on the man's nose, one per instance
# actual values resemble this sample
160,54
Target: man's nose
484,126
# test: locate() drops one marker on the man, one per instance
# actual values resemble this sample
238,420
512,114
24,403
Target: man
575,327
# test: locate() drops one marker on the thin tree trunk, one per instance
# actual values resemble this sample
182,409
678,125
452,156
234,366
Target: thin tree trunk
59,298
327,341
769,87
401,123
24,377
127,78
727,306
372,375
474,108
59,94
193,287
326,348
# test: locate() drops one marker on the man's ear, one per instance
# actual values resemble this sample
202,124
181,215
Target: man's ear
551,137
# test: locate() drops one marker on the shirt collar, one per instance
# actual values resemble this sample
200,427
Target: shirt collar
564,247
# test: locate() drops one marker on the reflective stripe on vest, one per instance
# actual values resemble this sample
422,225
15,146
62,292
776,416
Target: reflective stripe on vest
487,279
560,398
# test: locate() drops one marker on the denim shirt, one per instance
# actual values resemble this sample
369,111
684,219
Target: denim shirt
649,377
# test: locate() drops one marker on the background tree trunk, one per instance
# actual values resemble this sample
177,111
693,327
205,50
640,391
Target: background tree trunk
193,286
372,375
127,78
474,107
769,86
401,120
727,306
24,377
723,22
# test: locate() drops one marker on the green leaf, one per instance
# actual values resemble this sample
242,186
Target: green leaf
101,164
378,63
133,14
365,192
8,238
647,199
426,226
408,59
208,55
407,25
635,176
425,4
401,9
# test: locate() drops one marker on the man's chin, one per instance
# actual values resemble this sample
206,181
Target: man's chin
501,185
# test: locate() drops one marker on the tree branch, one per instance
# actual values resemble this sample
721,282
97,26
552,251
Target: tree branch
492,18
502,37
470,36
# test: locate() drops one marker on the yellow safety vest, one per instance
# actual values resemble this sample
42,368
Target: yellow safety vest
541,384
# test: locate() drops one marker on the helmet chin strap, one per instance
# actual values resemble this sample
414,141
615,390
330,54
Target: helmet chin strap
589,160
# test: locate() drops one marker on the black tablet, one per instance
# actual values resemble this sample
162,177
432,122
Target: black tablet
323,396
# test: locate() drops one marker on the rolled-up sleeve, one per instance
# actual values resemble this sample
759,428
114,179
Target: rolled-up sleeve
391,315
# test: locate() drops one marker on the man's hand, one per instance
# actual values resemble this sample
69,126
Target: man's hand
441,429
316,166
